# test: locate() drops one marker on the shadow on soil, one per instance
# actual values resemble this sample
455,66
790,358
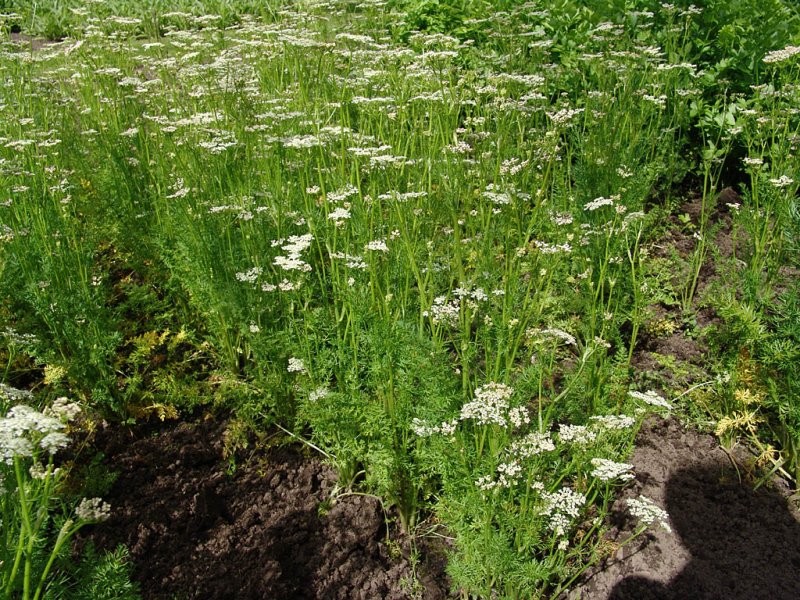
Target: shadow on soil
745,544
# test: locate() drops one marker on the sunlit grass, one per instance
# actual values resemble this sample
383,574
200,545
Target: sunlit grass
428,255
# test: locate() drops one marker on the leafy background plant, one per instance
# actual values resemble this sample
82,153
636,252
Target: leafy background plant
347,219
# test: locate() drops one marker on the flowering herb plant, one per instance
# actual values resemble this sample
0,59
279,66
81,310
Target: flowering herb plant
30,505
442,242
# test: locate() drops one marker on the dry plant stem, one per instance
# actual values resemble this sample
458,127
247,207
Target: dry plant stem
733,462
303,440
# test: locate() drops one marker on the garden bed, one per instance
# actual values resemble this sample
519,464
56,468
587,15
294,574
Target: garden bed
196,527
398,298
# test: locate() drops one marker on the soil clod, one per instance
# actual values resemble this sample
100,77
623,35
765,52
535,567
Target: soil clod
195,531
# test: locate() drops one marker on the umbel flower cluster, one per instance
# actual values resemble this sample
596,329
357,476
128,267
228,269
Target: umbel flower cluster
648,512
93,510
560,508
24,431
490,406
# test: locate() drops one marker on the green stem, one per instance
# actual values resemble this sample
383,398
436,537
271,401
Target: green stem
66,532
26,526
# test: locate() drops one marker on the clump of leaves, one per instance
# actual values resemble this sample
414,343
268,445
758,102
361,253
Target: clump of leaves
459,18
364,422
159,373
758,403
98,576
731,36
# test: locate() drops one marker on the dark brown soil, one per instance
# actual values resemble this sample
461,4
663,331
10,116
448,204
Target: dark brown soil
728,542
266,531
676,360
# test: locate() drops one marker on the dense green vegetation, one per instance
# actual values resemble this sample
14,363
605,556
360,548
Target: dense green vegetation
427,237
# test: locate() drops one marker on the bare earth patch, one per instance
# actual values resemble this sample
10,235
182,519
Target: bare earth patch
728,541
266,531
24,41
194,531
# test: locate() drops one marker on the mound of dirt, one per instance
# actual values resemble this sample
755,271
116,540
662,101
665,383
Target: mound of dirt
264,531
728,541
267,530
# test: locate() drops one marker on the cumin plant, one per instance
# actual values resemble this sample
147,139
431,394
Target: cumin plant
383,235
29,495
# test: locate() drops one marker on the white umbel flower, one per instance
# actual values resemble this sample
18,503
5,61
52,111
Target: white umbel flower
562,507
490,404
576,434
780,55
608,470
532,444
377,246
651,398
648,512
93,510
24,429
296,365
611,422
